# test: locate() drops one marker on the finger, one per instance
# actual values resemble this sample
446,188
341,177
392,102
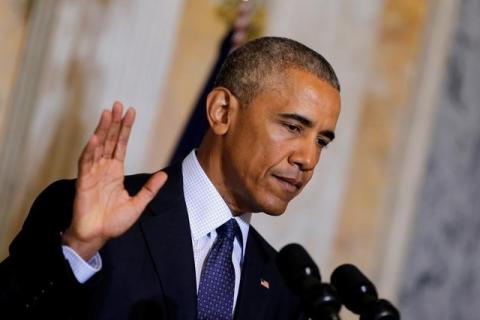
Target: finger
113,130
103,125
126,128
87,156
149,190
101,132
98,152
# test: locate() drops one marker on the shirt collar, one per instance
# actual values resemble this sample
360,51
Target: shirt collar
206,208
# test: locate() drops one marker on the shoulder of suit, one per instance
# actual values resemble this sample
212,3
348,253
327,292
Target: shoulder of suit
133,183
266,247
67,186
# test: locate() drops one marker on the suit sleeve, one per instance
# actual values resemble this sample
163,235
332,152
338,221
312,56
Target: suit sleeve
35,279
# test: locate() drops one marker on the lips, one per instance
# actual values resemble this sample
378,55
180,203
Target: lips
291,184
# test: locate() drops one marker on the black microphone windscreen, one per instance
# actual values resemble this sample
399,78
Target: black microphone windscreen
353,287
296,265
302,276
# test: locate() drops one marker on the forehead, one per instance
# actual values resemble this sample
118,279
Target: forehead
298,91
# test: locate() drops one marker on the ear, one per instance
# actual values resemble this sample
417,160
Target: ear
222,106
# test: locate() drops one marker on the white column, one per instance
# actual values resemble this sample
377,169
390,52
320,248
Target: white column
80,58
117,50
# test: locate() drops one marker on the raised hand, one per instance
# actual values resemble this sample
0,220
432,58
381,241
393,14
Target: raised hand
102,208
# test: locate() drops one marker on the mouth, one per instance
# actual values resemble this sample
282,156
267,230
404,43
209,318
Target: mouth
292,185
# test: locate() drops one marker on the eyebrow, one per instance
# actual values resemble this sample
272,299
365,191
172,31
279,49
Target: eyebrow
329,134
294,116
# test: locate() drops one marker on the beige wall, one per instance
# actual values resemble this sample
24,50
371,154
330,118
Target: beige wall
77,60
385,104
199,32
13,17
13,21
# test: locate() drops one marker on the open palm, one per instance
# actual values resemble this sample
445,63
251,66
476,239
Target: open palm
103,209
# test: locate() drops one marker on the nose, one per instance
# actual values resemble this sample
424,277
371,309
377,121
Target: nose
305,155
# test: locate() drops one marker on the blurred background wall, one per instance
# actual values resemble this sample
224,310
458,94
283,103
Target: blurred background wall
397,193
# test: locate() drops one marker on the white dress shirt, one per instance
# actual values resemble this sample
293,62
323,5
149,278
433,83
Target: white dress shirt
206,212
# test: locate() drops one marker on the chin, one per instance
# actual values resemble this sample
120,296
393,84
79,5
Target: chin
274,208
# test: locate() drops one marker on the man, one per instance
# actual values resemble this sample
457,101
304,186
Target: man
112,247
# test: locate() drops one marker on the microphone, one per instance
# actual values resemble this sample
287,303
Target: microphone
360,296
302,276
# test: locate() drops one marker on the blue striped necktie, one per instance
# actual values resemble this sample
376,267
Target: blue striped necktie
217,281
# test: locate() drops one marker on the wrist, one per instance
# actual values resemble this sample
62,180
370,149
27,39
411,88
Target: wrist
86,249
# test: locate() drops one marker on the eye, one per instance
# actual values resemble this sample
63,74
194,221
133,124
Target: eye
292,127
322,143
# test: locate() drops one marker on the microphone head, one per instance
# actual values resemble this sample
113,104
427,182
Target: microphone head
297,267
355,290
381,310
302,276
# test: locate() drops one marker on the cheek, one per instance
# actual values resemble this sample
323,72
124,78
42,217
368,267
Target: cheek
270,144
258,151
278,147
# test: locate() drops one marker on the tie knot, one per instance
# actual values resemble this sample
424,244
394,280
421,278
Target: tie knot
230,230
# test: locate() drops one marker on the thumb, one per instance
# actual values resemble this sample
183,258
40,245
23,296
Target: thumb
149,190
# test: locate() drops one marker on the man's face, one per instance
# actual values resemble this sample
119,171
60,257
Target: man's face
273,145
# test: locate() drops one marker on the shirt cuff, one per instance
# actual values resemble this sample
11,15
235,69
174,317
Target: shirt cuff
83,270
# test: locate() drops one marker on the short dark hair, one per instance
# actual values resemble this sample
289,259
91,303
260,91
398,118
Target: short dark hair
245,69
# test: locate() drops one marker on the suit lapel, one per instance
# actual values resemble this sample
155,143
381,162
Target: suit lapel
167,233
255,285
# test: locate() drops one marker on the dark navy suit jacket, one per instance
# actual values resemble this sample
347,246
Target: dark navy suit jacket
147,273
